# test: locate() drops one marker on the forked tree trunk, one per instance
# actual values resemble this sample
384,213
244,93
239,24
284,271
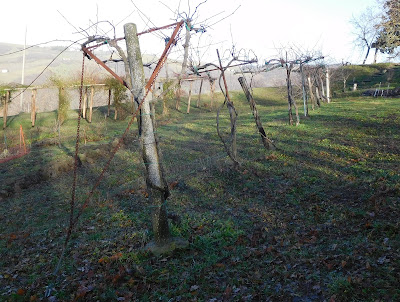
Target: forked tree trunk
157,187
265,140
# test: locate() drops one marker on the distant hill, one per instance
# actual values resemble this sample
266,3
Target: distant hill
37,58
70,61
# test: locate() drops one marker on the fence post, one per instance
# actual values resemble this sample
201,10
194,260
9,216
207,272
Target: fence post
190,97
33,107
91,103
5,109
84,103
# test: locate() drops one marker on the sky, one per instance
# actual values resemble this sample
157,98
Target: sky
263,26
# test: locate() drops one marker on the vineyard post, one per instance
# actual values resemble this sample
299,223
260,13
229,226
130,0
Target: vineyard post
91,103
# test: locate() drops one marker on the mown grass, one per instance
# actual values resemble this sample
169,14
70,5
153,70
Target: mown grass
315,219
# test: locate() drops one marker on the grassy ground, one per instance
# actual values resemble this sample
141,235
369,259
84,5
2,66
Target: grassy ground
314,220
372,76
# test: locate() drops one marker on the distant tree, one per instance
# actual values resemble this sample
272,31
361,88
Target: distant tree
366,31
388,40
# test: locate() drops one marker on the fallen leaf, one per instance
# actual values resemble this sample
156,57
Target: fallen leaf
228,292
173,184
20,292
116,256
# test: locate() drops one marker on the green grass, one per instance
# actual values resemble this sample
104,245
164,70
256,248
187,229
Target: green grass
315,219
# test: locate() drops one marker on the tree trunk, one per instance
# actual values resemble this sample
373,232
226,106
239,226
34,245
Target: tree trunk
266,142
303,86
288,87
232,115
310,89
318,96
178,95
322,88
156,184
184,64
198,99
375,55
212,89
366,55
328,86
165,106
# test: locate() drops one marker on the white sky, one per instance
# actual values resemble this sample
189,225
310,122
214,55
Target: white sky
260,25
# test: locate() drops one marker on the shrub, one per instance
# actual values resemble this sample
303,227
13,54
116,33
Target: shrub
119,92
63,98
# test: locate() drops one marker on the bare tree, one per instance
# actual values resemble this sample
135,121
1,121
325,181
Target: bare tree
230,146
366,31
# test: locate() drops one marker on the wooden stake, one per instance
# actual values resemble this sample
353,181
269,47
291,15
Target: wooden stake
190,97
21,138
33,107
109,102
91,103
5,109
84,103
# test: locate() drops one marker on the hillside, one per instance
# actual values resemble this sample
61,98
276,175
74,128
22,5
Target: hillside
372,76
69,64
